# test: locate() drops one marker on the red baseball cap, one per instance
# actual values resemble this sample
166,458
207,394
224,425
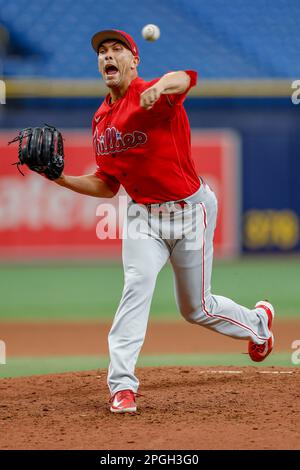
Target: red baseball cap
121,36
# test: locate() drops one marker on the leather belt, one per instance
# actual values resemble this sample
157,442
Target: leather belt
164,206
182,203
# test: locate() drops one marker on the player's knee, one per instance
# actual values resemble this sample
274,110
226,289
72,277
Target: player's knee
192,314
199,313
196,313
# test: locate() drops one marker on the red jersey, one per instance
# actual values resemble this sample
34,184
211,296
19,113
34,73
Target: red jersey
146,151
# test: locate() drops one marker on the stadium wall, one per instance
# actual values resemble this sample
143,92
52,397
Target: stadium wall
267,130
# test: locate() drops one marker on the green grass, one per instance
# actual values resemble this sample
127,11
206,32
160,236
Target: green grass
82,292
25,366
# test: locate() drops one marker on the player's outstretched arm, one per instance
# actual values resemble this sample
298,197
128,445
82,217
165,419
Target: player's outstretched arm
90,185
170,83
41,150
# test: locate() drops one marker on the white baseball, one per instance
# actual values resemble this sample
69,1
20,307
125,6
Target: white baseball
151,32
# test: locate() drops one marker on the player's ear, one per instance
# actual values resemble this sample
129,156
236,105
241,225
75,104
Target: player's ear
135,62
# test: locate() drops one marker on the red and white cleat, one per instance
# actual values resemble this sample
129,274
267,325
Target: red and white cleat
259,352
123,402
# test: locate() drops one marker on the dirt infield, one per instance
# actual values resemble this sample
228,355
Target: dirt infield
181,408
58,338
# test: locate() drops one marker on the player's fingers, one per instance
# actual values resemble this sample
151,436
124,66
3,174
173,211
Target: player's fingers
148,98
154,95
144,98
150,93
145,95
148,106
151,98
146,101
143,102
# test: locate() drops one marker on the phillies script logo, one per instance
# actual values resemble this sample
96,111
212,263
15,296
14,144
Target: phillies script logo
112,141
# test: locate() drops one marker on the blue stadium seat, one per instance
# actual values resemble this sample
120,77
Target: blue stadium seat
220,39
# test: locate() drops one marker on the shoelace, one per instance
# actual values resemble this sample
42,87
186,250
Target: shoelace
258,348
125,394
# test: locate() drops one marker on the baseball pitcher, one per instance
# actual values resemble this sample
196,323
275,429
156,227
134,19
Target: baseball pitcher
141,140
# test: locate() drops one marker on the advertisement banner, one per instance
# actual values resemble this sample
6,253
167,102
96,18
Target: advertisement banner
39,219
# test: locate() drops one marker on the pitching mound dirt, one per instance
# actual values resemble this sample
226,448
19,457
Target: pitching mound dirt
181,408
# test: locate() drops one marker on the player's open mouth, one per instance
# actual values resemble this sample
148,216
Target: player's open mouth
111,69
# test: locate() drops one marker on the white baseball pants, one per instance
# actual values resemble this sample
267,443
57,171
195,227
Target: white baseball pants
189,247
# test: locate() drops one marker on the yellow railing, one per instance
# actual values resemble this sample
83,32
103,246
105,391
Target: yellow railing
30,88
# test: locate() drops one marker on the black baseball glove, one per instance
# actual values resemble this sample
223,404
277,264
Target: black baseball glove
42,150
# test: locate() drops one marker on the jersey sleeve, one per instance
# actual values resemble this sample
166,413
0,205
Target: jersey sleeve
111,181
